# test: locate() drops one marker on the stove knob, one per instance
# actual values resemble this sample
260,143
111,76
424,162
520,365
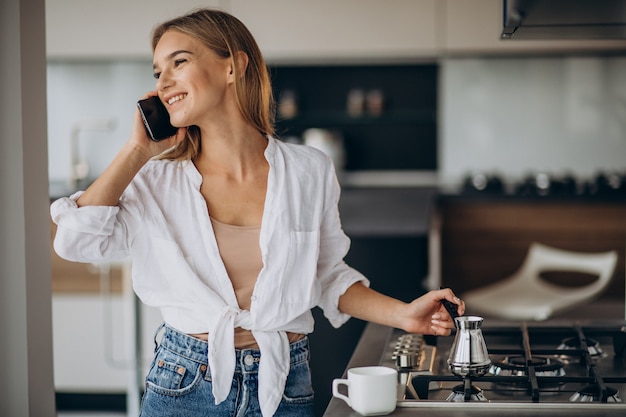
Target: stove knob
407,360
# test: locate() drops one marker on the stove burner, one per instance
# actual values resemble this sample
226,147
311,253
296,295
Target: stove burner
591,393
516,366
571,343
458,394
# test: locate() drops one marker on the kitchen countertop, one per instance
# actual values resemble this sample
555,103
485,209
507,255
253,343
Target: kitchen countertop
381,212
369,351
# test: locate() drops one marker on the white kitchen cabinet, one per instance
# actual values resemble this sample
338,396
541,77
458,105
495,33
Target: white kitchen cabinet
286,30
474,27
88,29
91,342
331,30
293,31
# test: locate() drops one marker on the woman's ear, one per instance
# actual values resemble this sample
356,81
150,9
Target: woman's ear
240,61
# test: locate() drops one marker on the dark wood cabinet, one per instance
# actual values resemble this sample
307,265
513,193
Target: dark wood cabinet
486,240
400,135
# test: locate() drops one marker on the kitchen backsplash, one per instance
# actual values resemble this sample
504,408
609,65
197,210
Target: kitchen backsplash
96,101
514,116
511,116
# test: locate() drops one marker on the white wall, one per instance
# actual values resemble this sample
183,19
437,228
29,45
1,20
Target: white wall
544,114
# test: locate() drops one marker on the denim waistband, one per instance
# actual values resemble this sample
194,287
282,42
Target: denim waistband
247,359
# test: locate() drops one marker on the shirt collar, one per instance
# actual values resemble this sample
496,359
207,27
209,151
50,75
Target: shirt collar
192,173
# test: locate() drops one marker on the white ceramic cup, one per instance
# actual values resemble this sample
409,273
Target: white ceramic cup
372,390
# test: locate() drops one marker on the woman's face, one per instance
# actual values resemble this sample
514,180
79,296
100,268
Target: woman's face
192,80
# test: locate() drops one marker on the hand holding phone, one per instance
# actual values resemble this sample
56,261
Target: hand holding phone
156,119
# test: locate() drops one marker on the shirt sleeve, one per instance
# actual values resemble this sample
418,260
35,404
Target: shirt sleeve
89,233
334,274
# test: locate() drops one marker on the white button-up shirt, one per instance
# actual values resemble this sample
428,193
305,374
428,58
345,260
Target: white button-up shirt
162,223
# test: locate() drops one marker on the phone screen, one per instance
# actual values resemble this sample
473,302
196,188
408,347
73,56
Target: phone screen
156,118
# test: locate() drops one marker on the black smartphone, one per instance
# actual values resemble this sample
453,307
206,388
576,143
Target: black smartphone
156,118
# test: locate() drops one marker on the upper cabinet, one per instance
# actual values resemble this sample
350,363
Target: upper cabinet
293,31
289,30
81,29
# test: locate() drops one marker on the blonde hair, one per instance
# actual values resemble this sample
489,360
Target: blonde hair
227,36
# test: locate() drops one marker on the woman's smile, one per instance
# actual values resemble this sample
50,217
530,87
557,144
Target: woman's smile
176,98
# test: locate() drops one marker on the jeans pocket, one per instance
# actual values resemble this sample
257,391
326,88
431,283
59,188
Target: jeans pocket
298,389
174,375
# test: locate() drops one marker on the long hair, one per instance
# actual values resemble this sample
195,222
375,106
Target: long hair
226,36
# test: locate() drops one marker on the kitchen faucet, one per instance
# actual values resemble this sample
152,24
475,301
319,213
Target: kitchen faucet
79,168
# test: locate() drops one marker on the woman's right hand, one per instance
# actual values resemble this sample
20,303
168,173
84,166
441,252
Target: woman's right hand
139,138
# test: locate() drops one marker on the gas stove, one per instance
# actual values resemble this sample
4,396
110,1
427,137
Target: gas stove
560,365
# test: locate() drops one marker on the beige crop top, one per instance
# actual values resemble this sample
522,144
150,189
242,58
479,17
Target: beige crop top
241,254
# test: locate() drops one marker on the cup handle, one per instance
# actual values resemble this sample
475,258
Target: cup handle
336,393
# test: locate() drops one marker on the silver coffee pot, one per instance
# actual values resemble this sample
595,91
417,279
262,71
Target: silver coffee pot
469,356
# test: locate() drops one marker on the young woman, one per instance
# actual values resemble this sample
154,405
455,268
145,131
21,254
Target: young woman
233,235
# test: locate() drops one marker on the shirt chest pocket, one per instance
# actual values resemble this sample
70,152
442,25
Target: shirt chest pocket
298,283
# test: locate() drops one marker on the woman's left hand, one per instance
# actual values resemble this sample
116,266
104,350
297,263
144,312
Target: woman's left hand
427,315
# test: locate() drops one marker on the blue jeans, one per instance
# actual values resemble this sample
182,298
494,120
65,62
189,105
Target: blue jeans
179,382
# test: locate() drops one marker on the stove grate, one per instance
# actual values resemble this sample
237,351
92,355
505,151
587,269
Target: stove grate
592,379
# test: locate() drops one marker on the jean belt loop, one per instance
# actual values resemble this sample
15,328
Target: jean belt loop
156,333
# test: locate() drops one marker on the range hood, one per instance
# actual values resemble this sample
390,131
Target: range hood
564,19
